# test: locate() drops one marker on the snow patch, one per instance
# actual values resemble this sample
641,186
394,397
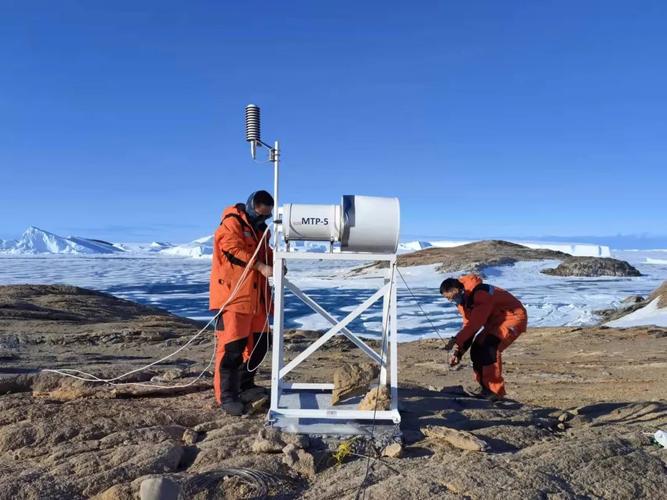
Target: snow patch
650,314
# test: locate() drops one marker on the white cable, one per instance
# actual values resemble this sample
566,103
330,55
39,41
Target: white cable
93,378
265,328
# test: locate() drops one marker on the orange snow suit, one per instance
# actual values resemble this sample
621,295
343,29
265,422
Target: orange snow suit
503,319
239,328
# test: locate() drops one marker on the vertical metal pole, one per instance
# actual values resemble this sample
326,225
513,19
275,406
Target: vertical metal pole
276,159
385,323
393,342
278,318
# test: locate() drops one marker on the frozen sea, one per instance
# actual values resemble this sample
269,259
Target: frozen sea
180,285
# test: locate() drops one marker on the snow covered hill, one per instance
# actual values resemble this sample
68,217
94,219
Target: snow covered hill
199,248
37,241
153,247
576,249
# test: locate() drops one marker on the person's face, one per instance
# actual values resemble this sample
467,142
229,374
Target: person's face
264,210
451,294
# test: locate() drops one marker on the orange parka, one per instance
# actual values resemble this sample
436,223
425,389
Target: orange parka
234,243
485,306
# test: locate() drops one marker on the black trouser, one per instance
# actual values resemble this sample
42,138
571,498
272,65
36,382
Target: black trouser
484,352
234,373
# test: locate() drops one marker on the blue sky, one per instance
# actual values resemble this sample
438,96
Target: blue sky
123,120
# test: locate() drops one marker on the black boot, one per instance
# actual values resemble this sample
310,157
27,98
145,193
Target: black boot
230,389
247,378
249,390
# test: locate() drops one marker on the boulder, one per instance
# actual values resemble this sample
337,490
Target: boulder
268,441
377,398
300,461
394,450
159,488
459,439
353,379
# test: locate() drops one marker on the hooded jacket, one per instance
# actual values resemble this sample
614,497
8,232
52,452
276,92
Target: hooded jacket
485,306
234,243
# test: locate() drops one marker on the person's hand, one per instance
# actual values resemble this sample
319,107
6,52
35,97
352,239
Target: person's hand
450,344
266,270
455,356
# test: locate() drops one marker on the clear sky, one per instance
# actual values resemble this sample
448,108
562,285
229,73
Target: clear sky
123,120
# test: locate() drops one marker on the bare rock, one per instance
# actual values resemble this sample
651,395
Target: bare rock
300,461
268,441
116,492
459,439
592,267
353,380
289,449
298,440
173,374
377,398
394,450
190,437
209,426
564,417
159,488
256,406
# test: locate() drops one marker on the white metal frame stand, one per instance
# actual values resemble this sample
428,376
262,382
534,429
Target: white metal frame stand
389,343
387,356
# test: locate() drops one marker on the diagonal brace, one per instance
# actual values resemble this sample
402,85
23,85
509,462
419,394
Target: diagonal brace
332,331
319,309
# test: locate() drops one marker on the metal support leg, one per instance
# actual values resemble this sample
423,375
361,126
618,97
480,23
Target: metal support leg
278,318
385,332
393,342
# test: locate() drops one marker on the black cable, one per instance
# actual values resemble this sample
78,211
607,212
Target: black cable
377,397
368,460
419,305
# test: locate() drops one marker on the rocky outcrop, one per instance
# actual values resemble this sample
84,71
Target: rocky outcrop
476,257
593,267
633,303
659,293
473,257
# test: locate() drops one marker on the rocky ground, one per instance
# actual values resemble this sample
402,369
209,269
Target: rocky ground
584,404
477,256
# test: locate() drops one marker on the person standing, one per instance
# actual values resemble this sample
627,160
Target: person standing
243,327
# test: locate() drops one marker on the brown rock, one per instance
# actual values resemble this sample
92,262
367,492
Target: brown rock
257,405
268,441
299,440
394,450
300,461
190,437
116,492
377,398
564,417
353,380
458,439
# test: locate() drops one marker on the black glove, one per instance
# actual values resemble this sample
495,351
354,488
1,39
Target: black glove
450,344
